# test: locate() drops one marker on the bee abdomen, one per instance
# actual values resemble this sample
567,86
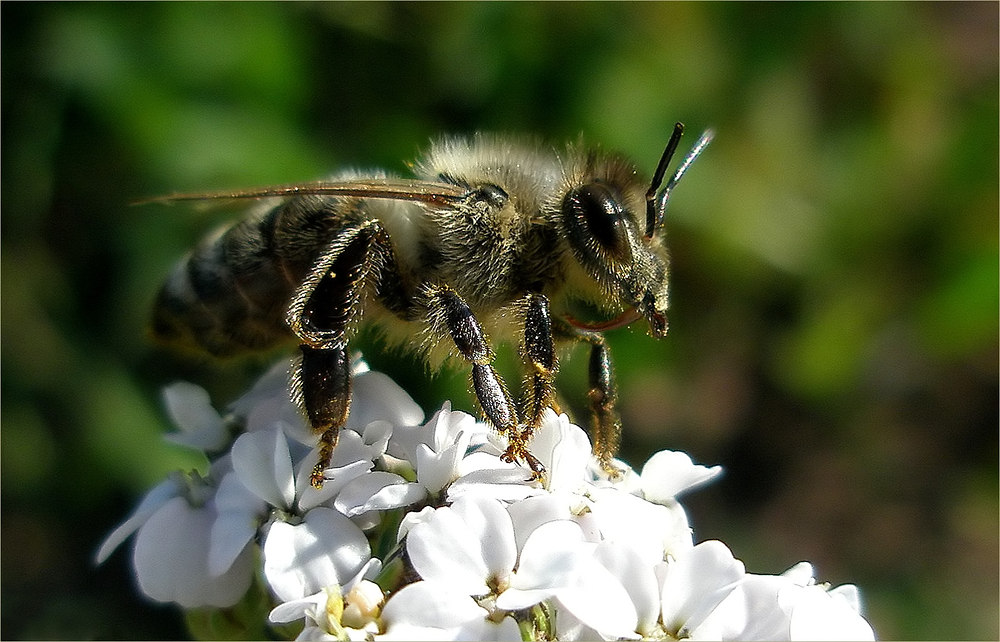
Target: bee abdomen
229,295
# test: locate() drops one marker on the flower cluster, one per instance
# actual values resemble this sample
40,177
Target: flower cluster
422,532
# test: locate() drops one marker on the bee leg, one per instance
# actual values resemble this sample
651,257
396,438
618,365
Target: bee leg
323,311
325,374
605,423
495,400
538,351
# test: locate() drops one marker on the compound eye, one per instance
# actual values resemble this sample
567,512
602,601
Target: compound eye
594,213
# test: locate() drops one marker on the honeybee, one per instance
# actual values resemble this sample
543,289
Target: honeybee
490,242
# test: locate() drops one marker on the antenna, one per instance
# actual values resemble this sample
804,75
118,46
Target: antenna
661,169
656,205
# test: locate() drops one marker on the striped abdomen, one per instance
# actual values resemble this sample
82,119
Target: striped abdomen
230,294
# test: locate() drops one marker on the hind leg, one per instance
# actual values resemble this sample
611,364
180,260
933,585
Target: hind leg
323,313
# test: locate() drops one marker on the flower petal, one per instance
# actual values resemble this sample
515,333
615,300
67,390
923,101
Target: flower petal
297,609
377,490
154,499
637,578
336,480
653,530
564,450
695,583
506,484
326,548
515,599
444,549
571,455
411,519
669,473
600,601
377,397
239,513
440,431
490,525
392,496
263,464
530,513
825,615
171,559
191,410
430,604
551,556
801,574
435,470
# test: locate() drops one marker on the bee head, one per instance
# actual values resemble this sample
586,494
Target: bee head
603,229
615,234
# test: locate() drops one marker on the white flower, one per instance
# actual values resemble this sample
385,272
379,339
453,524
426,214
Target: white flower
474,547
465,554
330,615
187,549
438,434
706,595
790,606
565,451
558,563
437,454
656,531
172,559
470,549
375,397
325,548
821,614
159,495
639,580
377,491
573,490
239,513
432,452
263,462
562,448
468,545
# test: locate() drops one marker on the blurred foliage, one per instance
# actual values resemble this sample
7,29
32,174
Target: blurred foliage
835,298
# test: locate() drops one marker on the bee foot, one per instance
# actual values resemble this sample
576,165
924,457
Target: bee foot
318,476
517,453
613,472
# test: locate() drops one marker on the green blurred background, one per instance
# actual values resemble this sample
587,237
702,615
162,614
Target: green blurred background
835,300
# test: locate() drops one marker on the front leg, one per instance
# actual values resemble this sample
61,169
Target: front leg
605,422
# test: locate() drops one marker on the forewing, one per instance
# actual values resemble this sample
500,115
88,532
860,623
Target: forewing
401,189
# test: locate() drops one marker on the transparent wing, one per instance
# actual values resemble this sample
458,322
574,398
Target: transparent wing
402,189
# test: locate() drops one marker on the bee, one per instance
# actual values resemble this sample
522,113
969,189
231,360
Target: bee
491,241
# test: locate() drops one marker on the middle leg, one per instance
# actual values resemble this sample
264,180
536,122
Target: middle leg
454,313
